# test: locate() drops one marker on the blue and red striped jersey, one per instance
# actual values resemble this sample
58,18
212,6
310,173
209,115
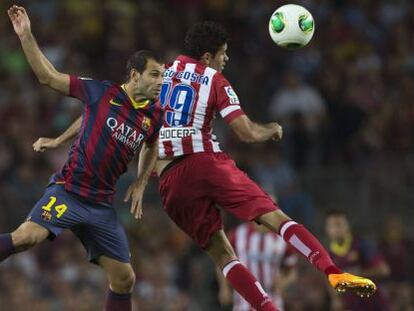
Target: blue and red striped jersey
113,129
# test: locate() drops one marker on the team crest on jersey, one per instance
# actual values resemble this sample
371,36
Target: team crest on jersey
146,124
46,216
234,100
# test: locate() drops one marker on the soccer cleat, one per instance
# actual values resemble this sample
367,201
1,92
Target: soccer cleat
342,282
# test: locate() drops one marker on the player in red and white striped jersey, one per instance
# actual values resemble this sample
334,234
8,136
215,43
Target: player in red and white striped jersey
196,176
267,256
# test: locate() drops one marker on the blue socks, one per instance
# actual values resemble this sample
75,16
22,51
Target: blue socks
118,302
6,246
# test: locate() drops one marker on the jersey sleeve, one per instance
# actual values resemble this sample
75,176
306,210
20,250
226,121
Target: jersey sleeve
227,102
87,90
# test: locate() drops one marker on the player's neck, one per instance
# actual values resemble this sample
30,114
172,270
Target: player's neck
136,97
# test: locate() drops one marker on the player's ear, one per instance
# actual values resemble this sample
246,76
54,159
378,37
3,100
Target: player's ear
134,75
206,58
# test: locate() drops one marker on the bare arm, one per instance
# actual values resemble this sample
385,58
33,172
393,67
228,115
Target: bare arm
44,70
45,143
147,159
250,132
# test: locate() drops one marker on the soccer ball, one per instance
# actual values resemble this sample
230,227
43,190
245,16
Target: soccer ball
291,26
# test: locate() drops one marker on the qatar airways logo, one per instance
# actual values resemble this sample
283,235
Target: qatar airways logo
124,133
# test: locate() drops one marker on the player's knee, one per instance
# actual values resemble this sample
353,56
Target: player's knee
123,282
27,236
273,220
221,253
22,240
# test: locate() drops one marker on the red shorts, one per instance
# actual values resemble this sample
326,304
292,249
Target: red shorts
191,188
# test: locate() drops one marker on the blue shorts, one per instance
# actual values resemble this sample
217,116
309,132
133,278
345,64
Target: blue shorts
96,225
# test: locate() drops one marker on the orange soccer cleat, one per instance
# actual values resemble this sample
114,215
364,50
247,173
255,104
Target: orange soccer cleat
342,282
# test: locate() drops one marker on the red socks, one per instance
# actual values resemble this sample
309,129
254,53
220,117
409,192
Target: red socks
305,243
247,286
118,302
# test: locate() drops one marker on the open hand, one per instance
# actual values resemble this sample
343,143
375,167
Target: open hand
20,20
135,192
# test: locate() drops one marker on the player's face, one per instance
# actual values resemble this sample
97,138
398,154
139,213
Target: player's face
218,62
150,81
337,227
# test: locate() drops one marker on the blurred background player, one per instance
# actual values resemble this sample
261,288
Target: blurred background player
267,256
355,254
117,122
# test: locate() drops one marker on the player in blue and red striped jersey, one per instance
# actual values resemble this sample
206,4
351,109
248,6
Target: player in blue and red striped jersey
117,121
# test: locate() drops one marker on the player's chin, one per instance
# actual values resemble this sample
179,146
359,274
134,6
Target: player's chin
153,95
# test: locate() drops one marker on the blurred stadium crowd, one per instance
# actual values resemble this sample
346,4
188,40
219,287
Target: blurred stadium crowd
346,103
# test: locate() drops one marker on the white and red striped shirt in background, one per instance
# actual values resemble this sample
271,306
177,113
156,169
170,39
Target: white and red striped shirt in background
263,253
191,96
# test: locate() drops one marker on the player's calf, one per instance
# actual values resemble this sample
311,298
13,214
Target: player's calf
303,241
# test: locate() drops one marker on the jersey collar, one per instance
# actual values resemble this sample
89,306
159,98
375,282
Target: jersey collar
342,249
136,104
188,59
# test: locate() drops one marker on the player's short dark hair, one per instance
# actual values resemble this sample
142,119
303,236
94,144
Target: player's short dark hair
138,61
204,37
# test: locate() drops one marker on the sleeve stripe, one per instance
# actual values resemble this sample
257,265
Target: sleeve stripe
226,111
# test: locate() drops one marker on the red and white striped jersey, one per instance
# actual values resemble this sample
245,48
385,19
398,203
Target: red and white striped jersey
191,95
263,254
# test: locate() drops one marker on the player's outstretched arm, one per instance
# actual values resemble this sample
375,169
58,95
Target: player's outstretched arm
45,143
44,70
147,159
250,132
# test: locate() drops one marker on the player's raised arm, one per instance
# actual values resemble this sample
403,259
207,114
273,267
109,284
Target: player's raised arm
251,132
147,159
44,70
45,143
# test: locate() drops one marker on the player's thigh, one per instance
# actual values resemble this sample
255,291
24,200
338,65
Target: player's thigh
103,235
220,249
57,210
199,219
191,210
235,192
